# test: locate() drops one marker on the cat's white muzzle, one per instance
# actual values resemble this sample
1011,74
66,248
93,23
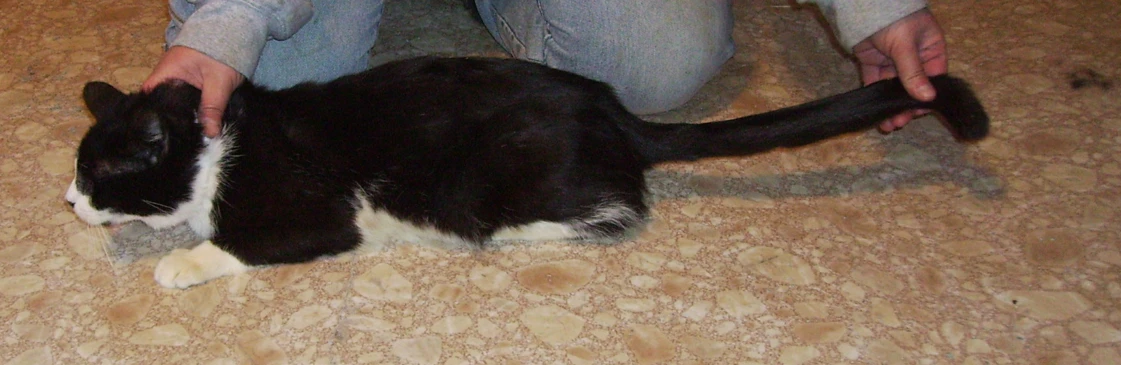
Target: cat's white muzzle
81,204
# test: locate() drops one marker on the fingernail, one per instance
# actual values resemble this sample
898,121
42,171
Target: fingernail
926,92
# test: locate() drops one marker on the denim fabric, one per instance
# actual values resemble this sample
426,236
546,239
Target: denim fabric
655,53
335,42
854,20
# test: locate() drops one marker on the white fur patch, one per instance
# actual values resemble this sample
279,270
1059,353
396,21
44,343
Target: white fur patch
537,231
205,187
610,213
380,229
82,207
184,268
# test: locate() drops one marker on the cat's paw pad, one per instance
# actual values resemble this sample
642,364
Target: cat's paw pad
184,268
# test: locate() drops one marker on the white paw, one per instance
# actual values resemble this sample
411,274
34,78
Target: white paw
184,268
179,270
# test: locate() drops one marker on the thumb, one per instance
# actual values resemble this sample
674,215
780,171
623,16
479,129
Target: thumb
211,108
911,72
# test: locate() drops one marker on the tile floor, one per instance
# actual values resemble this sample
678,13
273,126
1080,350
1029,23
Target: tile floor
906,248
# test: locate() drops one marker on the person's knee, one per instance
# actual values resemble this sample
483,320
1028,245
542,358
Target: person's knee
670,78
657,58
655,54
335,43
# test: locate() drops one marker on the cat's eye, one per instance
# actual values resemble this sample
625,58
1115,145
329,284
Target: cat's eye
82,183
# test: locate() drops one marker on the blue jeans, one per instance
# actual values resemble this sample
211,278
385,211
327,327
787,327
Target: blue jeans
335,42
655,53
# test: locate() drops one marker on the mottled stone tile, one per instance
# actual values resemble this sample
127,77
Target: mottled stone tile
904,248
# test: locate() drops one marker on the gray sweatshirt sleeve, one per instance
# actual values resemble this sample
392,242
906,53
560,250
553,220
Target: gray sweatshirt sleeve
855,20
234,31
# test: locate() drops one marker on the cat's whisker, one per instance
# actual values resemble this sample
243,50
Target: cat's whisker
103,240
216,214
220,197
163,208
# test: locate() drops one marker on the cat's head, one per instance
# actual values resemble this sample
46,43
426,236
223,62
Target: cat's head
142,159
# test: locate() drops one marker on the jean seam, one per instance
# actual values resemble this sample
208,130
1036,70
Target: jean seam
507,29
547,36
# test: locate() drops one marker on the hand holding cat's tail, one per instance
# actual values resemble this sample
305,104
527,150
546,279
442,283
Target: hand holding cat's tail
811,122
912,48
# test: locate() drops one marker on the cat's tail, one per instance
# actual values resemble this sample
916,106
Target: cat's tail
799,125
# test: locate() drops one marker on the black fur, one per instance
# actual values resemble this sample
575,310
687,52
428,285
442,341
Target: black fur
468,146
139,158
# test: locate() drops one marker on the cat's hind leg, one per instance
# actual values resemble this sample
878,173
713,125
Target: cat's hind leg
538,231
608,222
184,268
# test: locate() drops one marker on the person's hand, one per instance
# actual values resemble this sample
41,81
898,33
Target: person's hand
216,80
912,48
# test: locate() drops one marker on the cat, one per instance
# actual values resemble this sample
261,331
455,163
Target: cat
453,152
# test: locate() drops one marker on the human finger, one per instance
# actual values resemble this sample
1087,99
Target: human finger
211,108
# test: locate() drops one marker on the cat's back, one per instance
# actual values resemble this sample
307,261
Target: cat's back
430,101
481,71
473,83
418,109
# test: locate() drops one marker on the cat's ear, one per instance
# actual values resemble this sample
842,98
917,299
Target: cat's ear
176,98
101,99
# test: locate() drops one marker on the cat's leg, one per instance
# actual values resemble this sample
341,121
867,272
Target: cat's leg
538,231
608,222
184,268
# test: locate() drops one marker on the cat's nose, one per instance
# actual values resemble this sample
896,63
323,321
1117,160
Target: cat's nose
72,193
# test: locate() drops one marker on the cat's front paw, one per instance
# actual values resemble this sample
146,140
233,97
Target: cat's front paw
179,270
184,268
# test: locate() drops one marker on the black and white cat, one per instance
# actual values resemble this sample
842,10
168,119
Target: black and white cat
443,151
